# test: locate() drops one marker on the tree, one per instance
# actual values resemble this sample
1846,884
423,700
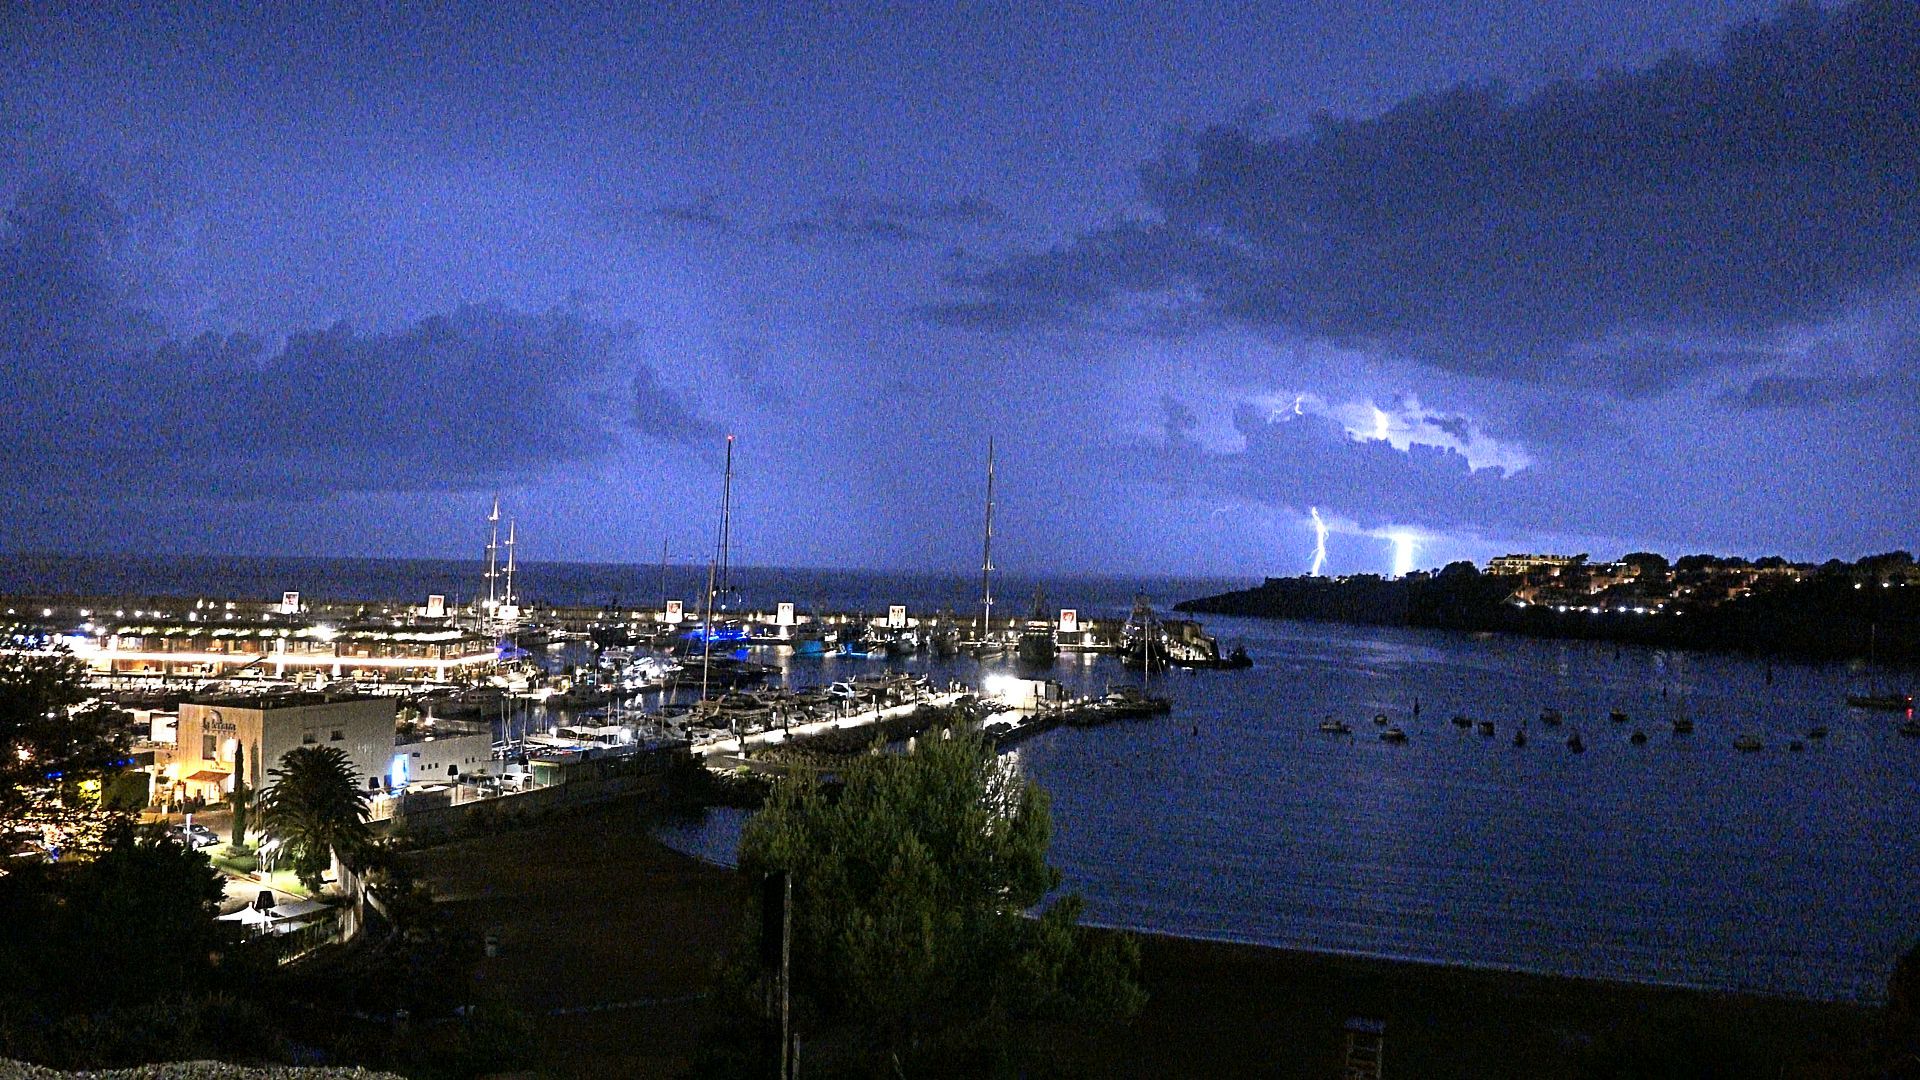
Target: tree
912,888
315,808
1652,564
241,797
49,733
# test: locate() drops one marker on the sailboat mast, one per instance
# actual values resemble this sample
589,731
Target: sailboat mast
508,597
986,555
713,570
726,523
493,554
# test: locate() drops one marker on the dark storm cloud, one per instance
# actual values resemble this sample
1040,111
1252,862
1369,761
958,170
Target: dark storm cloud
100,392
1712,199
704,213
1095,276
866,220
1800,391
1293,461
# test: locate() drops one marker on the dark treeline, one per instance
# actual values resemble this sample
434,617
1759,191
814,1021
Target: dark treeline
1828,616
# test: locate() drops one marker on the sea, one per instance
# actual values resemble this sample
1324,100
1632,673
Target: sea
1680,860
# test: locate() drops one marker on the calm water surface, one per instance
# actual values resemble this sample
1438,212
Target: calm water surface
1679,861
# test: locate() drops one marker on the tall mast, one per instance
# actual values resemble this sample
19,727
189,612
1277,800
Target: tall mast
507,598
493,554
713,569
726,524
663,573
986,555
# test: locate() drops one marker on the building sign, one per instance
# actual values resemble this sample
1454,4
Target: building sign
289,603
785,615
676,610
214,723
436,606
897,616
1069,620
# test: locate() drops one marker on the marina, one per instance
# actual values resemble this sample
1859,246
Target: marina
1548,806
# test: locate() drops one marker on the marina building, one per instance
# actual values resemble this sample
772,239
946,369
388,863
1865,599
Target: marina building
280,647
211,732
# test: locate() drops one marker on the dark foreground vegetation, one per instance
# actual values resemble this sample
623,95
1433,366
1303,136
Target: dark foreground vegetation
112,956
1833,613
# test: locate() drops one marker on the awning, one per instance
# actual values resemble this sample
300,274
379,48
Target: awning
295,909
247,916
207,776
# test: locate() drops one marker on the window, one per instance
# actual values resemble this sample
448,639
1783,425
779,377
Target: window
338,736
209,747
308,738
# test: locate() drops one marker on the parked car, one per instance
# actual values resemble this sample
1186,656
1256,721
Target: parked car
194,836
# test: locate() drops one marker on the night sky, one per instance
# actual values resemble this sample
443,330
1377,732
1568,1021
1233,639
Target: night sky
1626,276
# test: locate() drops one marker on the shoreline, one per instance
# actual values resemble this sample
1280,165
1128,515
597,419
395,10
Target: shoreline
592,908
1223,939
1818,620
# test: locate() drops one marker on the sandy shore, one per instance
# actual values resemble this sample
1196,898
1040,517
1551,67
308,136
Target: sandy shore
618,934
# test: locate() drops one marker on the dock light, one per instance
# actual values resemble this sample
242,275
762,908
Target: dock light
324,632
1001,686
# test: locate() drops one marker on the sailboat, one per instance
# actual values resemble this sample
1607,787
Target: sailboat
1037,644
988,646
713,573
1140,644
1874,698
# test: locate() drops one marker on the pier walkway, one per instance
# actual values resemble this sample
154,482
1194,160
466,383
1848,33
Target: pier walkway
727,748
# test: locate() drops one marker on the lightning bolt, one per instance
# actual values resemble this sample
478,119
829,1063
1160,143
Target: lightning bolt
1319,542
1402,553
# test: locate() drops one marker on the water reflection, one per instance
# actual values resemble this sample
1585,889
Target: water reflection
1681,860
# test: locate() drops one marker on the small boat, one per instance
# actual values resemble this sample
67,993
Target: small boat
1336,727
1638,737
1888,702
1796,745
1748,742
1380,719
1462,721
1550,717
1520,737
1682,726
1617,716
1817,731
1486,727
1874,698
1911,729
1574,744
1393,734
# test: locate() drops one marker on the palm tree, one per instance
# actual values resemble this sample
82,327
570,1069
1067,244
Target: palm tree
315,808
